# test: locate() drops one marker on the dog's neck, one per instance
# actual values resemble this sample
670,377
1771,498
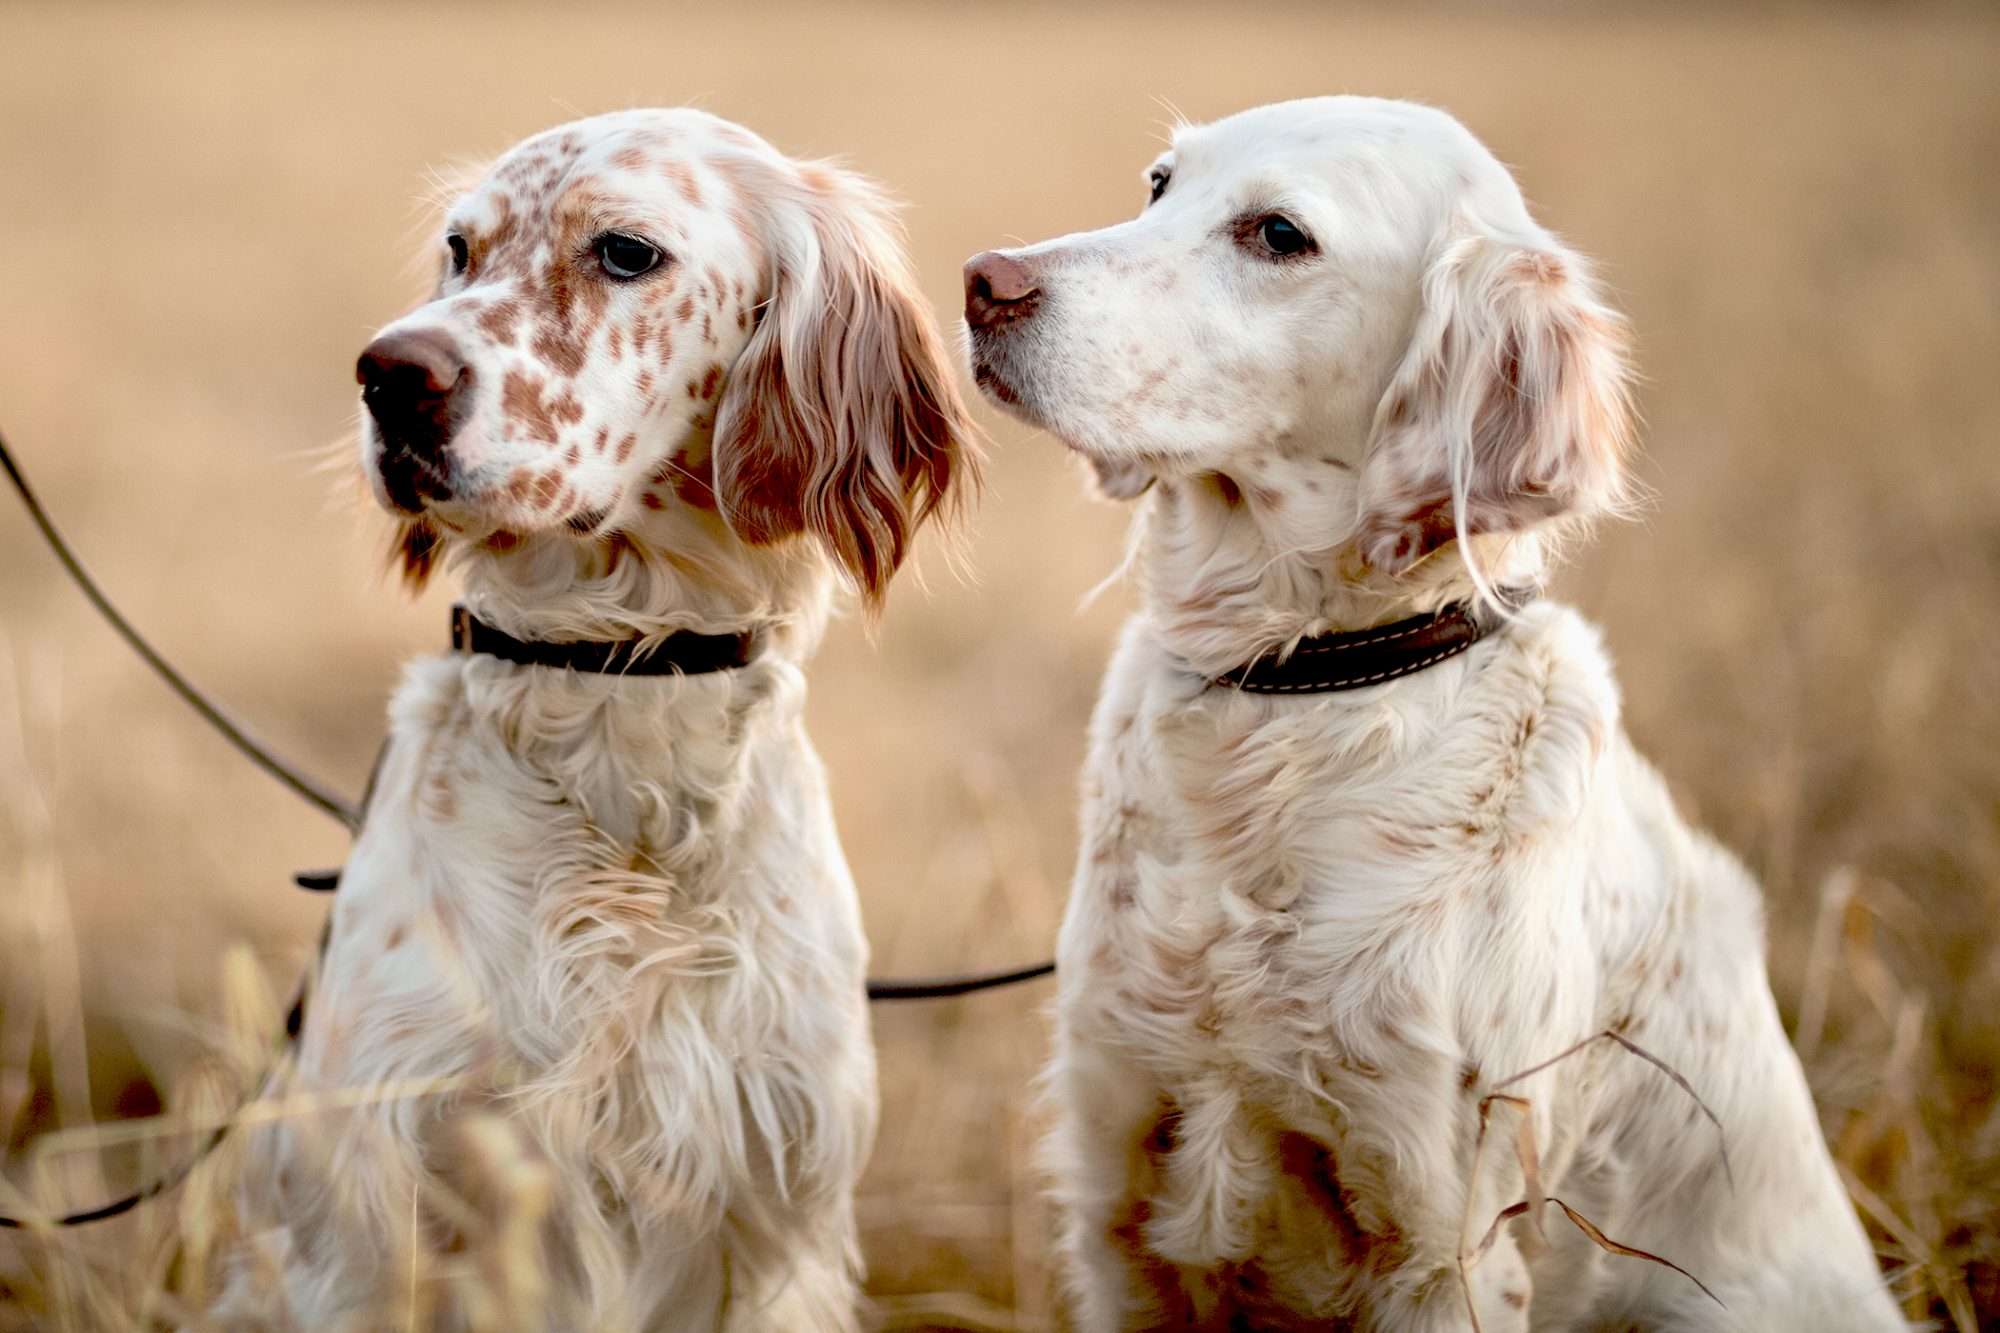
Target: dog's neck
1233,565
622,587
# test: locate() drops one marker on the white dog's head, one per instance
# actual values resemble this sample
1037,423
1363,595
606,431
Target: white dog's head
653,330
1343,280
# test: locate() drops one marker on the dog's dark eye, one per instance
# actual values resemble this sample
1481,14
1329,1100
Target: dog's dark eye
1281,236
461,253
625,256
1160,177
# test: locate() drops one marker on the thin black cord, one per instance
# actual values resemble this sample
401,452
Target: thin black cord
324,800
944,988
118,1207
160,1184
313,793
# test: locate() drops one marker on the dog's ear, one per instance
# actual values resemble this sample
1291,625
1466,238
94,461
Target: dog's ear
1511,407
414,552
842,419
1121,479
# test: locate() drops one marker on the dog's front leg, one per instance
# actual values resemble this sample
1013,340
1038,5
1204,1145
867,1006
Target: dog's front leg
1112,1129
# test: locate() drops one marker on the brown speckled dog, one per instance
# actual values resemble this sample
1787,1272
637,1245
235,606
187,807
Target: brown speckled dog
671,380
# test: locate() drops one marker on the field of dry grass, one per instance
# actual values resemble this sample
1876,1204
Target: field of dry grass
204,211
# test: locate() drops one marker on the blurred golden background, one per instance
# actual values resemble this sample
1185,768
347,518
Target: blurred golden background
204,212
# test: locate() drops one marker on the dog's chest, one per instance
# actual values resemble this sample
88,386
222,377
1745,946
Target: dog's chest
1242,907
554,928
1318,893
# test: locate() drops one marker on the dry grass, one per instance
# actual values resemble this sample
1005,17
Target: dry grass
208,209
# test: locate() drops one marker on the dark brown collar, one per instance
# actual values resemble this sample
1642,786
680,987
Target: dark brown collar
1354,659
684,653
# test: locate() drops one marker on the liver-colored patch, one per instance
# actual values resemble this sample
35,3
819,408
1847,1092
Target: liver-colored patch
522,406
498,320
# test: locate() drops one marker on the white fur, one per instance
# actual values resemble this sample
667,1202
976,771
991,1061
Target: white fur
1308,933
610,916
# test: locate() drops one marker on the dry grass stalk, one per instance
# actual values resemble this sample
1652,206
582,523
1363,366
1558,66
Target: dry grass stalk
1527,1155
1889,1137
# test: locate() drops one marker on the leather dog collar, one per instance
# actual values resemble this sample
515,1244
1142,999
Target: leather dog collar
684,653
1354,659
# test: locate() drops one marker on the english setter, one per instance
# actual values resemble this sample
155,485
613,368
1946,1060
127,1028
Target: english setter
1310,932
595,970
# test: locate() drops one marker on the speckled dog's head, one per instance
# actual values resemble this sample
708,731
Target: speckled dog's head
652,322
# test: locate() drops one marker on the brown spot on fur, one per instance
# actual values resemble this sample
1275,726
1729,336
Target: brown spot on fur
1155,1284
682,177
1517,1299
689,470
625,447
521,403
710,381
497,320
684,312
562,349
651,501
548,488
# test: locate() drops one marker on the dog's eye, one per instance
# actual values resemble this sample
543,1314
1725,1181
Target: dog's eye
1275,237
1160,177
625,256
1281,236
461,253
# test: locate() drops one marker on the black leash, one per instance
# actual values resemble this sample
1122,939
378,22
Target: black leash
323,799
315,794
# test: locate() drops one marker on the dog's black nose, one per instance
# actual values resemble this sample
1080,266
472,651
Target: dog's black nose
415,385
998,290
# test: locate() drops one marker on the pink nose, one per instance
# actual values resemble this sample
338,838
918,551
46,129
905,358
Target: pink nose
998,290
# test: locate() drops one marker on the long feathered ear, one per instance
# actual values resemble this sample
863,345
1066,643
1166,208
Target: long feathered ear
842,419
414,552
1511,408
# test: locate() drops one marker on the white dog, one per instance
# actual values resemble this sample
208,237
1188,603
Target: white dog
672,384
1336,888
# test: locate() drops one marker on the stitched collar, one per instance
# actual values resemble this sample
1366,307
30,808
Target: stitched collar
683,653
1354,659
